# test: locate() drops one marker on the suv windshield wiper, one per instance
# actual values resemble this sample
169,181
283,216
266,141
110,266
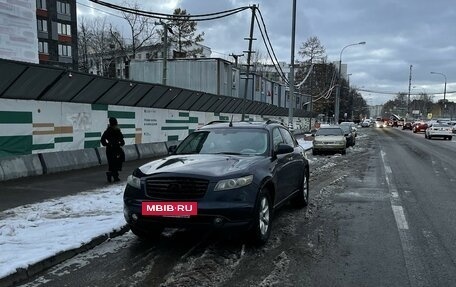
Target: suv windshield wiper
229,152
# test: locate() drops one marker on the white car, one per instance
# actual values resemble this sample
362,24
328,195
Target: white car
439,130
366,124
329,138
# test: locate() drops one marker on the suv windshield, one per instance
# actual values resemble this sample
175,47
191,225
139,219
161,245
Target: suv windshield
226,141
330,132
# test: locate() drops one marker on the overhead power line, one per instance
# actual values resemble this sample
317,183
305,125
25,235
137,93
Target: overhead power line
395,93
101,10
269,48
163,16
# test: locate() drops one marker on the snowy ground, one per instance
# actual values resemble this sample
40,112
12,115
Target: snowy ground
31,233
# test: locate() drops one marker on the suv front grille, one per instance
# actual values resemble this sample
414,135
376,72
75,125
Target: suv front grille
176,187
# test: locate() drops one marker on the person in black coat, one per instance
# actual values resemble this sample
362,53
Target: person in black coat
113,140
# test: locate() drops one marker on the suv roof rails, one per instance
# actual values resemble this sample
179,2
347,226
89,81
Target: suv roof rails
216,122
268,122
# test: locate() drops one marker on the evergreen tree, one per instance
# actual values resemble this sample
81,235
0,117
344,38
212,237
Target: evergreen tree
184,36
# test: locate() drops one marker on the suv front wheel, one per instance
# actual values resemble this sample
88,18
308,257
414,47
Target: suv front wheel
301,199
261,229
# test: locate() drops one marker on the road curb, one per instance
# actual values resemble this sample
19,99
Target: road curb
23,274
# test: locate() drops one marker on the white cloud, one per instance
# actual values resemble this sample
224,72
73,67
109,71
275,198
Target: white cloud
398,34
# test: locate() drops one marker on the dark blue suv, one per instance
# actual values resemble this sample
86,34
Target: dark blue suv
222,175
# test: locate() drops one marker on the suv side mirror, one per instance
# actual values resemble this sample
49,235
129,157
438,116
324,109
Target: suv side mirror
172,149
283,149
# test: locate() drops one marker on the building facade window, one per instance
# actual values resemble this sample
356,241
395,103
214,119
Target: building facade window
42,25
64,50
64,29
43,47
41,4
63,8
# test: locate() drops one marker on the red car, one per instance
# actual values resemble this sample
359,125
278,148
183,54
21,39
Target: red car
419,127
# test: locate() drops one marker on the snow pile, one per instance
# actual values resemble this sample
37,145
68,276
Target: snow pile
31,233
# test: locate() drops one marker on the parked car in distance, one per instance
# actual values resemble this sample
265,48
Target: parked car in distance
223,175
439,130
419,126
407,126
366,123
330,139
349,135
352,125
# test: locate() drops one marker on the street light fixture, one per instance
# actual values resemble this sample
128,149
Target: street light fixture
444,91
336,107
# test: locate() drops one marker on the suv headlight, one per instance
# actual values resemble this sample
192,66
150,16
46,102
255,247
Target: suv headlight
233,183
134,181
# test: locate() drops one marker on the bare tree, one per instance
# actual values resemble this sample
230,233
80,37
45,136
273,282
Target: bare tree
85,38
319,84
259,62
97,48
141,31
104,47
312,49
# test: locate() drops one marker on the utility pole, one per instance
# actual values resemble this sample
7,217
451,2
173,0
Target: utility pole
444,92
311,95
408,98
236,56
249,56
291,79
165,53
165,49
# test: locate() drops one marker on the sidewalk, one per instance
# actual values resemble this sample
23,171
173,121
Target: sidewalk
34,189
47,219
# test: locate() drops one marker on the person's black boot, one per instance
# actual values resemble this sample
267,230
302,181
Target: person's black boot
108,176
115,175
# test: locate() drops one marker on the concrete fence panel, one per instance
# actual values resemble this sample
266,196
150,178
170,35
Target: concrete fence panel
20,166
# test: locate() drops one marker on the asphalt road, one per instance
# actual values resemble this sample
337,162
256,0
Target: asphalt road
382,215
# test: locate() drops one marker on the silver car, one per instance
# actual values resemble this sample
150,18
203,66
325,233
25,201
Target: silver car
329,138
439,130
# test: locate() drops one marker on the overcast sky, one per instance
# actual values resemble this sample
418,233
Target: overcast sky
399,33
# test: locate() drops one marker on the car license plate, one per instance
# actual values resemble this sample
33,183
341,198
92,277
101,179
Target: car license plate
169,209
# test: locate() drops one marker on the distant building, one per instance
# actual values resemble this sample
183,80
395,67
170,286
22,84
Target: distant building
114,63
57,33
18,36
375,111
343,72
215,76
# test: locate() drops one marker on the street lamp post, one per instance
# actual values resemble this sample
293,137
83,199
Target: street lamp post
352,106
444,91
336,107
291,78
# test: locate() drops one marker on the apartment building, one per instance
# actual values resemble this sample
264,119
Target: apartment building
57,33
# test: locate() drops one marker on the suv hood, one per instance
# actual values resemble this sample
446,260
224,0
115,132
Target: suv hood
213,165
